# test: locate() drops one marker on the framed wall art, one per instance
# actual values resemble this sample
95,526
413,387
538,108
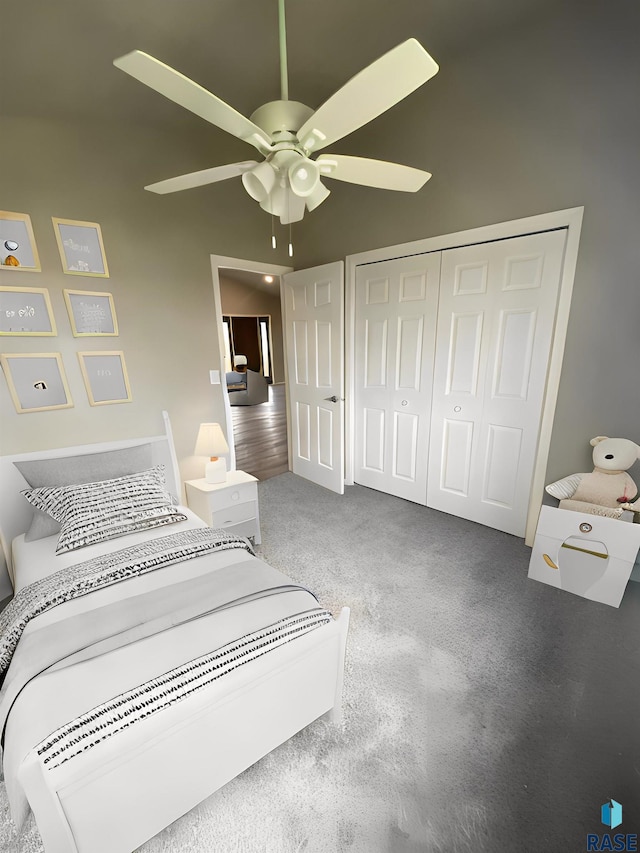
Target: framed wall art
91,313
18,251
81,247
26,311
37,381
105,377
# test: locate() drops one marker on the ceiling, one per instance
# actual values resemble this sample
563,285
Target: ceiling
56,62
58,55
252,279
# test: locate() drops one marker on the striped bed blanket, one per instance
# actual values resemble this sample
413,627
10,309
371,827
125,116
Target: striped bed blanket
90,575
80,613
153,696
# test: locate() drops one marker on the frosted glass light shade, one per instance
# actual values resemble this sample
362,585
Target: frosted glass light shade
304,177
259,181
319,194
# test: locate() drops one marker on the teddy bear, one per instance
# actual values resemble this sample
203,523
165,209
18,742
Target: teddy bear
608,490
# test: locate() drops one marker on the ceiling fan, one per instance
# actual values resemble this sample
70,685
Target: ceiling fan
288,181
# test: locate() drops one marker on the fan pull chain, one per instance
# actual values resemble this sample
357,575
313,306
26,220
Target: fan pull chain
290,242
273,233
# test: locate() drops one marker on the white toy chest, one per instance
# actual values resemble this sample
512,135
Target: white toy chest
588,555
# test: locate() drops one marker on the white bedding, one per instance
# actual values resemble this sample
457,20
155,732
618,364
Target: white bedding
184,665
92,676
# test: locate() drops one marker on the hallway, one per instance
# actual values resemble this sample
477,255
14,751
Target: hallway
260,434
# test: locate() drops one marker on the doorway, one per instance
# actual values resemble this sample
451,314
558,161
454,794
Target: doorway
257,435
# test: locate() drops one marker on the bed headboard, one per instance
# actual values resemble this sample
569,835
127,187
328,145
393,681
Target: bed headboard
15,512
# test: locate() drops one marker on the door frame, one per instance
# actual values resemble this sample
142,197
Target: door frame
571,219
218,261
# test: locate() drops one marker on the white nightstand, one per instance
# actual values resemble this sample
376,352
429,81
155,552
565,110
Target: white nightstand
232,504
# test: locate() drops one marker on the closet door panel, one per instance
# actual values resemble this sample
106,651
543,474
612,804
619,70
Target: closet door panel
395,314
495,325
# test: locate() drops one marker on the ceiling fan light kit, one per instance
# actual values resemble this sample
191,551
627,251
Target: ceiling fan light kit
288,182
304,177
260,181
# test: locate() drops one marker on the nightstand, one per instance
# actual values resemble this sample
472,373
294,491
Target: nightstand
232,504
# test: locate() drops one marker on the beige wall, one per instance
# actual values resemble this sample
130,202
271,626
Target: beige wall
536,119
540,118
240,298
158,250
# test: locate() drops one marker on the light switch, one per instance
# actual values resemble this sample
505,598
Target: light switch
214,376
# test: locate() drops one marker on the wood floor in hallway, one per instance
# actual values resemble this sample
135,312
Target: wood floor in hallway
260,435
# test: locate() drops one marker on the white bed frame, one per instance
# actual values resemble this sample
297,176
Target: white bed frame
120,793
15,511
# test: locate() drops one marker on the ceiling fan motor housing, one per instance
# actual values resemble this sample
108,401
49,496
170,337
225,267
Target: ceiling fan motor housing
278,117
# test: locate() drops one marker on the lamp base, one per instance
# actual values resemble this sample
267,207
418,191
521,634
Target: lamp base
215,471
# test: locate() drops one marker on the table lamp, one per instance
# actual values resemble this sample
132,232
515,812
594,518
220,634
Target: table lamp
212,443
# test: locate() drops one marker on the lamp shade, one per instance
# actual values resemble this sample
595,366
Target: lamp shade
304,176
239,360
260,180
211,441
319,194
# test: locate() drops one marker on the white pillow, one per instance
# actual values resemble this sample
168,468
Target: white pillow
93,512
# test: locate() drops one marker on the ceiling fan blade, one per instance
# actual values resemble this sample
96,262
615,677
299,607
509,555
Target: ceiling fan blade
183,91
200,179
370,93
372,173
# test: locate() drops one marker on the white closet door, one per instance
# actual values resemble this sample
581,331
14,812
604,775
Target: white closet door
395,315
495,326
313,312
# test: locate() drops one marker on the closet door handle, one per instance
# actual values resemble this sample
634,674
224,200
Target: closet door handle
332,399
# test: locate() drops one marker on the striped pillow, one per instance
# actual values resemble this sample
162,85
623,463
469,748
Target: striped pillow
94,512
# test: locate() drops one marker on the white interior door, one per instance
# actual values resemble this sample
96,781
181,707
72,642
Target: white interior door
313,319
495,326
395,321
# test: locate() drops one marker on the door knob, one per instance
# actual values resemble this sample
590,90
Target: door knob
332,399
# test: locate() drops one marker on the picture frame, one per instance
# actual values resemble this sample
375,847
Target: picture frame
18,241
81,247
105,377
37,381
91,313
26,311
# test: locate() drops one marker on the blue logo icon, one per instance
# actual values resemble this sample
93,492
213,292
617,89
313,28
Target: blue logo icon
611,814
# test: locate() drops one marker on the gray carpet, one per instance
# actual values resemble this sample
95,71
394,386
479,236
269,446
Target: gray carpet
483,711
